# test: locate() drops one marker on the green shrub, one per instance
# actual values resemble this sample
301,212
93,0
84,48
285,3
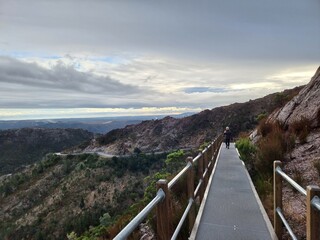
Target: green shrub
246,149
203,146
105,220
263,185
280,99
174,161
261,116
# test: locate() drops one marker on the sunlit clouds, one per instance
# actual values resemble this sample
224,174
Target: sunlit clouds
108,58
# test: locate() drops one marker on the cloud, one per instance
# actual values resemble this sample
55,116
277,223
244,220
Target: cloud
60,77
211,30
30,85
134,54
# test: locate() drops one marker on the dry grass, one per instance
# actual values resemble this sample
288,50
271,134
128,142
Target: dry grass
271,148
301,129
316,164
298,178
264,127
295,212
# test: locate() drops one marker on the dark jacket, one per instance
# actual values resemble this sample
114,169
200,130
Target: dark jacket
227,134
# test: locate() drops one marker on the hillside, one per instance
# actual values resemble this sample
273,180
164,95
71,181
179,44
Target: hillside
292,135
63,194
189,132
302,115
20,147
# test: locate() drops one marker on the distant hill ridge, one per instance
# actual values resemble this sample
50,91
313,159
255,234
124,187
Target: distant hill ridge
20,147
95,124
189,132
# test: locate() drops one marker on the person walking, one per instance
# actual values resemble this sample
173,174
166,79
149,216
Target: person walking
227,134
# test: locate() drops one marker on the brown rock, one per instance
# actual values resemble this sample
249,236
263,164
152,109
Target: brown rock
306,104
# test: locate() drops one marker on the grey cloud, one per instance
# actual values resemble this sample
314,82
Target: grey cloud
29,85
60,77
261,30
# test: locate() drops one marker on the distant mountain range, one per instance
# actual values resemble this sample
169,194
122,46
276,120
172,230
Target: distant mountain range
95,125
189,132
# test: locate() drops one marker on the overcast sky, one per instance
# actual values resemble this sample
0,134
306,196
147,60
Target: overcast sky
76,58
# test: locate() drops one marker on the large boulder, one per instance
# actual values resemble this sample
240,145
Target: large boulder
305,105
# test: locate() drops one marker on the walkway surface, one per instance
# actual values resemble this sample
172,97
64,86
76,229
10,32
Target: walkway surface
231,209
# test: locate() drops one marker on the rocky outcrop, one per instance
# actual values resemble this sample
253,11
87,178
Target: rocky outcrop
299,163
305,105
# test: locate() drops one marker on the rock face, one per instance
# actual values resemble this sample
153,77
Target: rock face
189,132
300,163
306,104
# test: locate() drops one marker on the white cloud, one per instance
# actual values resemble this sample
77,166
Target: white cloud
126,54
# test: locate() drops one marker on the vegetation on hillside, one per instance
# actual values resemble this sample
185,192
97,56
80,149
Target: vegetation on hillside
64,194
173,163
275,142
21,147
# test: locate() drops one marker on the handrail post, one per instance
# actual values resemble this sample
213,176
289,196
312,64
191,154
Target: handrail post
190,182
205,163
313,220
209,153
164,213
211,158
277,199
200,174
213,148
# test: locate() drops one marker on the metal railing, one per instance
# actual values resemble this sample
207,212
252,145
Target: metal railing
312,202
162,201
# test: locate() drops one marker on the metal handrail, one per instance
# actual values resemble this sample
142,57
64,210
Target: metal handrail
197,157
183,218
198,187
205,149
316,202
312,203
205,173
286,224
179,175
161,195
141,216
291,181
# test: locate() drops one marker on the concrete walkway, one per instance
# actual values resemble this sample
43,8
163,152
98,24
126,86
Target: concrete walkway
231,209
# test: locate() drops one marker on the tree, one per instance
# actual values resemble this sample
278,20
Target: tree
105,220
137,151
174,161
